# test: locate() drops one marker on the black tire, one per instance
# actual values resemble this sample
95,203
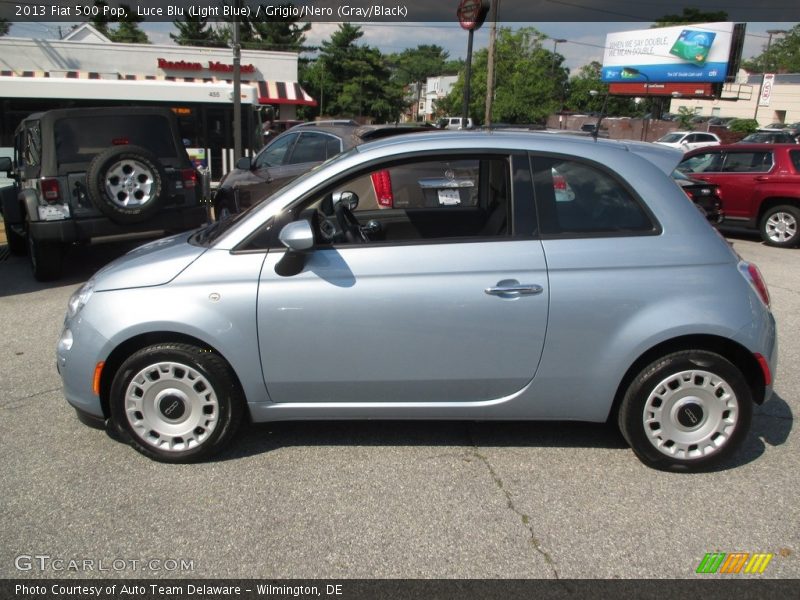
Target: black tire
16,242
780,226
686,411
176,403
46,258
126,183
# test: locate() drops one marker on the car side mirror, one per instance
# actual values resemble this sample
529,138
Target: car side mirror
244,163
298,237
6,165
349,199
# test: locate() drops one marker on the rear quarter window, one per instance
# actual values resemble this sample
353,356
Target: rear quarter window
794,155
79,139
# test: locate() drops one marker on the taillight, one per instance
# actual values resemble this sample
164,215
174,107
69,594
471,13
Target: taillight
756,281
382,184
50,190
189,177
559,183
122,141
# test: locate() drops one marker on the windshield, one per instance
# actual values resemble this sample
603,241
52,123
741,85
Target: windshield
671,138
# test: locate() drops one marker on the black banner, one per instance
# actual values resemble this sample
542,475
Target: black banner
399,589
397,11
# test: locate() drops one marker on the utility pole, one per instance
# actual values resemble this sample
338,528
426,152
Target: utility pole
487,119
237,84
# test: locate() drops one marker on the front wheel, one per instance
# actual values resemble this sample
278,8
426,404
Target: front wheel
779,226
176,402
686,411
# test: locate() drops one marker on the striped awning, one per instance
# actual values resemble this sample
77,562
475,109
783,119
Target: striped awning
283,92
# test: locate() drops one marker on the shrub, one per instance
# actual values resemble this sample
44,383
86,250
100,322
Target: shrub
745,126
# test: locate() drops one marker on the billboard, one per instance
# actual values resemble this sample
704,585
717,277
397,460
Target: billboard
680,54
676,90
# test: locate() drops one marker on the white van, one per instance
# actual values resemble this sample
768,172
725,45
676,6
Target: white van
454,123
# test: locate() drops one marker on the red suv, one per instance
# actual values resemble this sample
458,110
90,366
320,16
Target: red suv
759,185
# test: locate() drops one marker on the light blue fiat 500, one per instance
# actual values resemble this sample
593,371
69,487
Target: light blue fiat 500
444,275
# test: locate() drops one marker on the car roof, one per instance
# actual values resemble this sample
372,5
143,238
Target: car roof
743,147
663,157
354,134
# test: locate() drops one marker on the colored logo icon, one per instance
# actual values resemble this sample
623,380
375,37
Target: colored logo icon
734,563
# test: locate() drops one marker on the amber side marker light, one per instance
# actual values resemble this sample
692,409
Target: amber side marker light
98,373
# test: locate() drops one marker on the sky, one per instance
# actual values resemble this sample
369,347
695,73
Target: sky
585,41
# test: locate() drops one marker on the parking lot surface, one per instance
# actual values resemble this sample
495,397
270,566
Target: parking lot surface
377,499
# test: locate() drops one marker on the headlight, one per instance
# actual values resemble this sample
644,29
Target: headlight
80,298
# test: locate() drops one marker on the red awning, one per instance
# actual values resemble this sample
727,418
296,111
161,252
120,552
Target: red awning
283,92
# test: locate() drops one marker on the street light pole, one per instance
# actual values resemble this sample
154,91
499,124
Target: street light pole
556,42
765,67
487,118
237,86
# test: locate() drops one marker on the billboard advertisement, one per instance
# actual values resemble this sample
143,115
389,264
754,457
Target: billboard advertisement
684,53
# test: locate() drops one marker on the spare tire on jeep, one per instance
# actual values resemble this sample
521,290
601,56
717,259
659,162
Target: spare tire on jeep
126,183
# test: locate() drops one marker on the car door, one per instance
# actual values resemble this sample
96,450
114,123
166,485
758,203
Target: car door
266,170
454,309
742,174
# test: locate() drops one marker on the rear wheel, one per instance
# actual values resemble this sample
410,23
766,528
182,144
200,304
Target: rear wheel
779,226
688,410
46,258
176,402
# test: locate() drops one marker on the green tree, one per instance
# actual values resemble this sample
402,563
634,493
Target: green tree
580,98
689,16
352,80
415,65
529,80
195,31
283,34
783,56
127,31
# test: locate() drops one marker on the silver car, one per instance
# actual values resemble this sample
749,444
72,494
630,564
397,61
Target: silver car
484,292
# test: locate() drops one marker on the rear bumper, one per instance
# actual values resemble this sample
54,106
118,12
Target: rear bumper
76,230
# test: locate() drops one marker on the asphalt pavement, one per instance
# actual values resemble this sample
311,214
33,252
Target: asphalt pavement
377,499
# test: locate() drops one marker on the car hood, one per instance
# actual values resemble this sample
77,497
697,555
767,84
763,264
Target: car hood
152,264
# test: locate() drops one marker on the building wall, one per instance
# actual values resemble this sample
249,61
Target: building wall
437,88
784,102
25,54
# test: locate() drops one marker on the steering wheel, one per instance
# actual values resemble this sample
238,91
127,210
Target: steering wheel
349,224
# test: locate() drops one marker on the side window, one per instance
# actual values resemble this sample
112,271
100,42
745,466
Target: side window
274,154
430,199
704,137
747,162
795,156
707,162
310,147
577,198
32,145
691,139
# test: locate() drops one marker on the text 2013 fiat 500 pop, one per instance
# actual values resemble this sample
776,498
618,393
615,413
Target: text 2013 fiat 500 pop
446,275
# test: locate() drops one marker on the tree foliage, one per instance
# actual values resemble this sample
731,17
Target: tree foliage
196,31
352,80
283,34
127,30
415,65
783,56
529,80
690,16
580,98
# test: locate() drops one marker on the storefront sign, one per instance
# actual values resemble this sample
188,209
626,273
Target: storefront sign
213,66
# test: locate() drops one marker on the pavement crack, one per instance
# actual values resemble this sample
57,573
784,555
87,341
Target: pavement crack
524,518
10,403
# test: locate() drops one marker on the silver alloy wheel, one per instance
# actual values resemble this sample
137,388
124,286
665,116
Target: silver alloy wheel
171,406
691,414
130,183
781,227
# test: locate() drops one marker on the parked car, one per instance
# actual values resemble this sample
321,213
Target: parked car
759,183
82,174
611,300
688,140
768,137
454,123
706,196
773,127
720,121
291,154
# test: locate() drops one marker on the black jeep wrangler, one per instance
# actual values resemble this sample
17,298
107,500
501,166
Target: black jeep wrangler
87,173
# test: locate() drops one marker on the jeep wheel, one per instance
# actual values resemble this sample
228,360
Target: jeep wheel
16,242
126,183
779,226
45,259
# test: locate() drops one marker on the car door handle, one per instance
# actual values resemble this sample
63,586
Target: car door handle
762,178
517,289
